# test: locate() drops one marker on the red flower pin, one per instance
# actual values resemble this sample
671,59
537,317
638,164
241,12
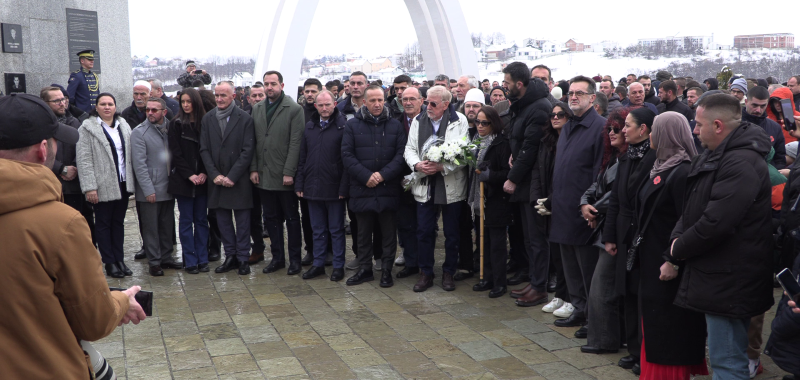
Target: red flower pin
772,138
657,180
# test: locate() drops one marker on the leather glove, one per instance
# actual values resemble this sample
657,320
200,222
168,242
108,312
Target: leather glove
541,208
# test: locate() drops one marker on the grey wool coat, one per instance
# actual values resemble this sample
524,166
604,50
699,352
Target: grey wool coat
150,162
96,169
228,155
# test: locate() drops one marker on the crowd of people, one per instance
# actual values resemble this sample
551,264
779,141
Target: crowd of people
656,210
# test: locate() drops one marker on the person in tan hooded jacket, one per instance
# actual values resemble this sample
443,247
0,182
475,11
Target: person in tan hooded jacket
54,291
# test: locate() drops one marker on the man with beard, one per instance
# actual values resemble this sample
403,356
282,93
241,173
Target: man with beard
755,112
692,96
356,86
649,92
607,88
311,88
394,102
668,91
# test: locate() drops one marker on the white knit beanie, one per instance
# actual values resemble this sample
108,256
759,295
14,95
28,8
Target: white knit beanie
475,95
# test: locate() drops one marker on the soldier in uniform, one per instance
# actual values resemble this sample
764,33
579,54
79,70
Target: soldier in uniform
84,85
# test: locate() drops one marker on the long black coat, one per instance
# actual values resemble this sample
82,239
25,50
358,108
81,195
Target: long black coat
783,345
65,156
370,146
527,117
620,224
184,148
542,175
673,335
725,234
320,172
497,209
229,155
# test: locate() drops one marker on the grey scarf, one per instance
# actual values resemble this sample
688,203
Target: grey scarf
474,190
222,116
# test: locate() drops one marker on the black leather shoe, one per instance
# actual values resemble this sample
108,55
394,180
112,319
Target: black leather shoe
572,321
519,278
294,268
338,274
596,350
628,362
140,254
360,277
155,270
229,264
307,259
172,265
244,268
461,276
192,270
124,268
498,292
274,266
637,370
482,286
203,268
112,270
314,272
407,271
214,256
551,284
583,332
386,279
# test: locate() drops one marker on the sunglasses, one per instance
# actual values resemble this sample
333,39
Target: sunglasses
431,104
483,123
616,130
557,115
153,110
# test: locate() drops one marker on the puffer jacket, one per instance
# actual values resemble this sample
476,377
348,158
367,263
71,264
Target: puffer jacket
783,345
320,172
528,115
370,146
725,233
782,93
775,133
95,159
65,156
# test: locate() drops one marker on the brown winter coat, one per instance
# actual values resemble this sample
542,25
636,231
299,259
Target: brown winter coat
54,291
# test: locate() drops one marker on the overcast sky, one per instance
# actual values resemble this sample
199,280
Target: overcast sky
170,28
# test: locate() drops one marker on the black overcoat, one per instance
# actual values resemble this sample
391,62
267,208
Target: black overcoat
229,155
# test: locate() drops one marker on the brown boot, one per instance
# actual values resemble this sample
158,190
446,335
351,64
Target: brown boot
255,258
425,281
448,283
519,292
532,298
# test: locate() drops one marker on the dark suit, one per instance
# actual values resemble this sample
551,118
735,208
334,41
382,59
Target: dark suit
229,155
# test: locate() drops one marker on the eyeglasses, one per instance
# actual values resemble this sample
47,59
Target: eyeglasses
56,101
483,123
557,115
153,110
577,93
616,130
431,104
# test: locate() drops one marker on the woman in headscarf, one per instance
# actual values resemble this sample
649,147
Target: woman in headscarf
673,343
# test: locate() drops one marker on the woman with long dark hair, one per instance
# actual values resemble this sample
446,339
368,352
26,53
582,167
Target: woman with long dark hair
492,169
187,181
104,168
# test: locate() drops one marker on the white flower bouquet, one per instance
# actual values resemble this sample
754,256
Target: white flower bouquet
450,154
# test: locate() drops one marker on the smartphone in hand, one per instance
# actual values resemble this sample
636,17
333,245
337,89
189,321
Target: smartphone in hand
789,283
788,115
144,298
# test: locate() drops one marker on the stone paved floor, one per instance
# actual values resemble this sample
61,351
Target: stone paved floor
226,326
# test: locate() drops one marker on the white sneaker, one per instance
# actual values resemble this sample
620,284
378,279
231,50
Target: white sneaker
553,305
564,311
400,261
754,366
377,265
352,264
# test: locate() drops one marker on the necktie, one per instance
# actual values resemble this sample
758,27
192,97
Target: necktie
322,124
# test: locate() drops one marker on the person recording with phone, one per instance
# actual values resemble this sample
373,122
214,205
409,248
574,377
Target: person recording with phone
783,345
192,74
776,113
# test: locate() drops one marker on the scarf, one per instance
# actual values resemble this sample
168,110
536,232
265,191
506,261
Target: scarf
637,151
222,117
272,107
673,142
473,198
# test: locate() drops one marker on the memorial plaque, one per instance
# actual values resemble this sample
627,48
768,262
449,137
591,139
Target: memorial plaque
12,38
82,35
14,83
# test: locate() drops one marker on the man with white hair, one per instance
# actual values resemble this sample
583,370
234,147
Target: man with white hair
464,84
157,91
635,99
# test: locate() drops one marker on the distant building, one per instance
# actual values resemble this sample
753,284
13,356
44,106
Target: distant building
501,51
242,79
680,42
764,41
379,64
574,45
528,53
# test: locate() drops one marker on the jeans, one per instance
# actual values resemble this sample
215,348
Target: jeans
193,228
727,347
426,235
407,232
327,222
280,206
367,222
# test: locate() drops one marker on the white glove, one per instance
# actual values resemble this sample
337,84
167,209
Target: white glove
540,208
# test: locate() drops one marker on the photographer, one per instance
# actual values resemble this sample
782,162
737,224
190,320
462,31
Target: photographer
191,75
783,345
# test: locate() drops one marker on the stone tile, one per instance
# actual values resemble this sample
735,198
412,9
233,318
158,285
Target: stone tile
363,357
314,354
280,311
183,343
290,324
178,328
110,350
421,308
150,372
207,306
579,360
532,354
212,318
463,311
372,329
254,375
303,338
436,347
409,362
402,318
560,371
611,372
330,370
345,342
145,356
415,332
380,372
527,326
383,306
552,341
331,327
222,347
259,334
235,363
460,334
387,345
271,299
482,350
281,367
195,374
269,350
508,368
439,320
246,306
431,374
506,338
189,360
220,331
458,365
250,320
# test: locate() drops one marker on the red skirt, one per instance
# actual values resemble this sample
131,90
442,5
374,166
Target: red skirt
653,371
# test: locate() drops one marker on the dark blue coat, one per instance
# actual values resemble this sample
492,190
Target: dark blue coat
80,95
580,154
783,345
370,146
775,133
320,172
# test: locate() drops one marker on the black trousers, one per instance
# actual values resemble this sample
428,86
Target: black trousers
305,223
466,246
280,207
109,227
256,224
557,269
368,222
214,238
376,236
518,252
78,202
495,253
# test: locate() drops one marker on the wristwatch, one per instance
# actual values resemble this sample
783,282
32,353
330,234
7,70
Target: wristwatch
64,171
677,268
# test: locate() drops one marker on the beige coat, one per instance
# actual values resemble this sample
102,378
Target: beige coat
95,161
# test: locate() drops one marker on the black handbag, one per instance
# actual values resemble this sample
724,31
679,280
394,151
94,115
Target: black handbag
633,251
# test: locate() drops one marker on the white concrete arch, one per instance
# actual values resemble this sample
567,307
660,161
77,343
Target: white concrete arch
440,26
